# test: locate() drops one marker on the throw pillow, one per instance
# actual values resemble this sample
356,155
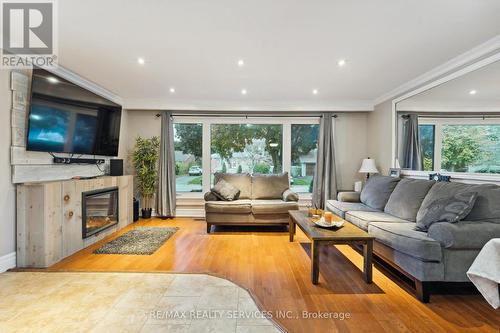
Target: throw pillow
377,191
289,195
225,191
448,209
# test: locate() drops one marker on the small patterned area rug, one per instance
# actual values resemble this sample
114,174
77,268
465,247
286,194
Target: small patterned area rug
140,241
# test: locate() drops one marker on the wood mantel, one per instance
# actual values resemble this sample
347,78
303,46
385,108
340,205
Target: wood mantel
49,218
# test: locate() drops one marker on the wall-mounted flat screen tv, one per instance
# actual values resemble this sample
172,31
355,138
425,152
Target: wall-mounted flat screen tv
66,118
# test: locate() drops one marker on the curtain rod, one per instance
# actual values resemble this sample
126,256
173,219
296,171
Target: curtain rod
245,115
479,116
483,115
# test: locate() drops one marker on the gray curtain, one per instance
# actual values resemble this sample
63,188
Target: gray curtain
325,182
411,150
166,181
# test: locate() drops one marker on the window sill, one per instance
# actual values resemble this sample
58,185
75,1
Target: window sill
472,177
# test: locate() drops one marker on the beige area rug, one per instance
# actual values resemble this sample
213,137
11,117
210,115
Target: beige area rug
126,302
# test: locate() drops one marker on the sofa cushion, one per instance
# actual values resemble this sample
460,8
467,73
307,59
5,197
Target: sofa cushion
464,234
407,198
362,219
242,181
377,191
242,206
339,208
225,191
260,207
403,238
486,207
269,186
451,208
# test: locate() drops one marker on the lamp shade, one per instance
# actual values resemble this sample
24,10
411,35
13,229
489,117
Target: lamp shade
368,166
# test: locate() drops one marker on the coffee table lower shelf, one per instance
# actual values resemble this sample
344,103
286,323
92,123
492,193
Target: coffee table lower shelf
347,235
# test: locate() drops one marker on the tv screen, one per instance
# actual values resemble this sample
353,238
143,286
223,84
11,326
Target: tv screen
66,118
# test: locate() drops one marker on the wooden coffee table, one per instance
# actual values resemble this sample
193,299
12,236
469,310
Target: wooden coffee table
348,234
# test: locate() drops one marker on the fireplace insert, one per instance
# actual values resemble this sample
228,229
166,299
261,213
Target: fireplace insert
99,210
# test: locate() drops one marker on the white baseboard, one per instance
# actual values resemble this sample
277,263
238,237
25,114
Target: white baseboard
7,261
190,212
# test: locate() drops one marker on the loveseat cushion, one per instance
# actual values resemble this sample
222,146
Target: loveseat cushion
269,186
464,234
339,208
403,238
362,219
377,191
242,206
407,198
242,181
260,207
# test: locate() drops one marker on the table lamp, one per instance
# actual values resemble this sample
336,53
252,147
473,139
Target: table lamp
368,166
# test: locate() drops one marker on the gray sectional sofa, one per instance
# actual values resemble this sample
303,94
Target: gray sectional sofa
388,209
263,200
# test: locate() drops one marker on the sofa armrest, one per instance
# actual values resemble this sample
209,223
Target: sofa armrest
289,195
349,196
464,234
209,196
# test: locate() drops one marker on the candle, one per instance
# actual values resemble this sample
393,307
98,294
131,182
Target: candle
328,217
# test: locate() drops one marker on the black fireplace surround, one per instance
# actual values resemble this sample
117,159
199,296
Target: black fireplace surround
99,210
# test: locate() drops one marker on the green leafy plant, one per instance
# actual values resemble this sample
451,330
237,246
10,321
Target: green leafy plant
262,168
145,159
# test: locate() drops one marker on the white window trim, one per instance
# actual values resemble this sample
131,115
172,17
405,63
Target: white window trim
207,121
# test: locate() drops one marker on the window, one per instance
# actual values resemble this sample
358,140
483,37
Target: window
471,148
252,148
206,145
426,136
304,149
188,143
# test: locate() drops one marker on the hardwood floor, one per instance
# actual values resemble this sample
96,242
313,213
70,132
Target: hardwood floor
277,273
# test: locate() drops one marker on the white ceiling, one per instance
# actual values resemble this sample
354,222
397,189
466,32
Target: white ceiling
289,46
455,94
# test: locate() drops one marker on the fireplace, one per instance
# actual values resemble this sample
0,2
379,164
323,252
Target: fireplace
99,210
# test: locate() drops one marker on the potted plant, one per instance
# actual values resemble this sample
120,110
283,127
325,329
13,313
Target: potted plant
145,159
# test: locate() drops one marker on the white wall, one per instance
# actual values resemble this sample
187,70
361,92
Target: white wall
7,192
351,138
379,140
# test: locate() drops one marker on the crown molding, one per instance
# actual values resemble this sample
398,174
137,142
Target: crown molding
84,83
162,104
489,47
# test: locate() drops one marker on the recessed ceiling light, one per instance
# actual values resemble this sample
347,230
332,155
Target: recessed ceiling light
243,91
172,90
315,91
341,62
472,92
52,79
141,61
241,63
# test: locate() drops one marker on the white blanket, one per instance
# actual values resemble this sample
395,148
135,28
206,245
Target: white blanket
485,272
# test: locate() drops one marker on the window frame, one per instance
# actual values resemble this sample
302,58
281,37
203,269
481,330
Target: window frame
438,139
207,121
